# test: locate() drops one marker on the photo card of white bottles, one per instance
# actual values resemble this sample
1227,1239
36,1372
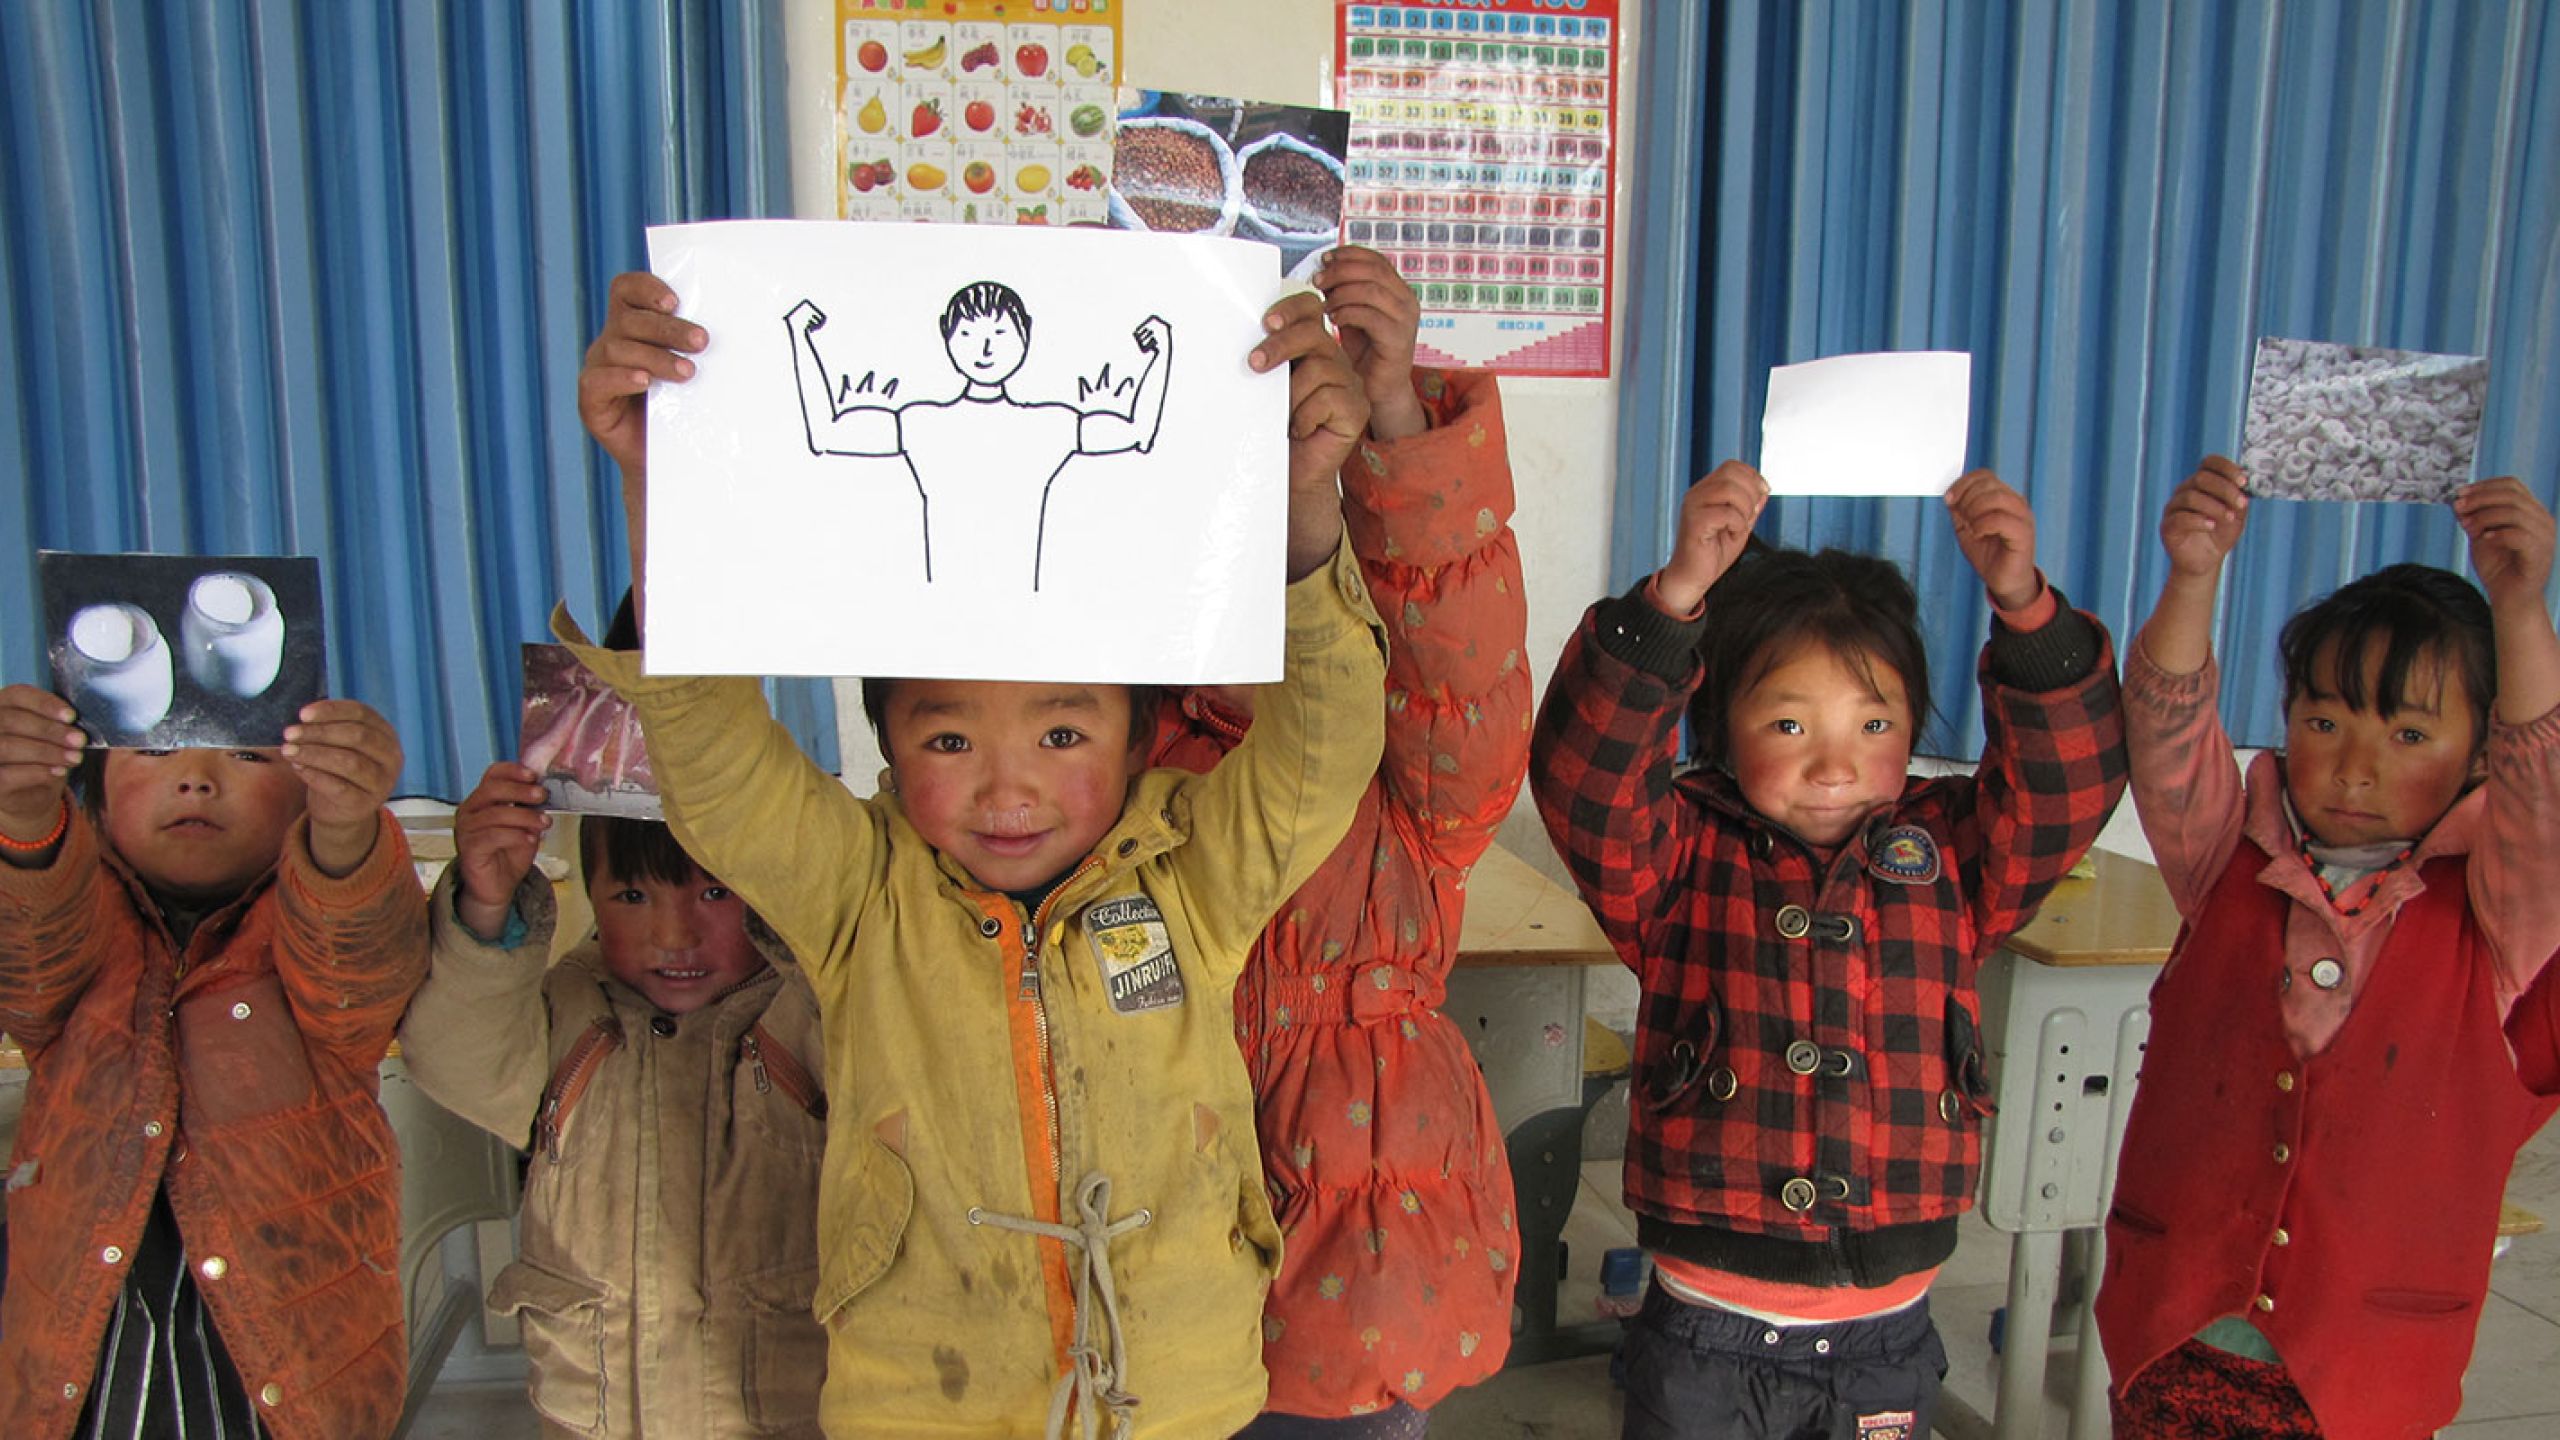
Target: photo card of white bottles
181,651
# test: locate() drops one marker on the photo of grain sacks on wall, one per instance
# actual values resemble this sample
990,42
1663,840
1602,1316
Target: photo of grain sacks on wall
1210,165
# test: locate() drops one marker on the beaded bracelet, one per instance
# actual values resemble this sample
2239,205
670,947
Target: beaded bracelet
61,823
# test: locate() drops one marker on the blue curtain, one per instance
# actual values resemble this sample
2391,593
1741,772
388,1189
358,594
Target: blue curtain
315,278
2107,204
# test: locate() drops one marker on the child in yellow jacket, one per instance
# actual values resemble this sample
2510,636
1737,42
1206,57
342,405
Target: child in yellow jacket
1042,1206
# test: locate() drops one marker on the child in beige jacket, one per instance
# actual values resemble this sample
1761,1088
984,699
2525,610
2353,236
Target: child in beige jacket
663,1075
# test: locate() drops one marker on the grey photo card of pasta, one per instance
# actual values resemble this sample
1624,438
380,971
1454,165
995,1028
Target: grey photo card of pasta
182,651
2354,422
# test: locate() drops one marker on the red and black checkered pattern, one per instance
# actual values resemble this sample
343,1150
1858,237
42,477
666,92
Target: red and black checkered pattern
1690,884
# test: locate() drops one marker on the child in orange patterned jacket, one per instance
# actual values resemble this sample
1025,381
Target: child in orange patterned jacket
1387,1169
204,962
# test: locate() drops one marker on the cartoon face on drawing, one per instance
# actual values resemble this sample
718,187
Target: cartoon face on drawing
987,333
987,351
985,463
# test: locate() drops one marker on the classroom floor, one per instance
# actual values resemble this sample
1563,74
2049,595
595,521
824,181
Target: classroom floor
2512,1392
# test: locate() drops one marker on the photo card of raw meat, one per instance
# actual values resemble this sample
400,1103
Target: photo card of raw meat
584,740
1207,164
2354,422
170,652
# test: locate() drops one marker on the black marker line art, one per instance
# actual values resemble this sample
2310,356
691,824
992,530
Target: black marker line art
983,463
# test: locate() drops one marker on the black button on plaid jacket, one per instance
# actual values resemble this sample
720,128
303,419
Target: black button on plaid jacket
1802,1021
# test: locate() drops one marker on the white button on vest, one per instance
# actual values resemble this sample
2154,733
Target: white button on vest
151,1129
2266,1302
240,1011
2283,1236
215,1267
271,1394
1821,1347
113,1254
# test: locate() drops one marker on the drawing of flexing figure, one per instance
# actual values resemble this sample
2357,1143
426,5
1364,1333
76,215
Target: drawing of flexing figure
983,462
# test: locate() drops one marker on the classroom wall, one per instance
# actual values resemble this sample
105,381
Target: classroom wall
1563,432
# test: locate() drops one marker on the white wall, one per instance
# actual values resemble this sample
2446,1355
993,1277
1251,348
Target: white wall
1563,432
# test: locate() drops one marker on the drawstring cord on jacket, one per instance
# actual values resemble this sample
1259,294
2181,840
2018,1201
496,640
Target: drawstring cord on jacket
1093,1370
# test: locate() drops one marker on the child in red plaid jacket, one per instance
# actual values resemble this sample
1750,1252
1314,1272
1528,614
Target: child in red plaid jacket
1808,920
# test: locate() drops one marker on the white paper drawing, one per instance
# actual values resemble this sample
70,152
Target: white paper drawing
983,460
2353,422
1876,424
983,452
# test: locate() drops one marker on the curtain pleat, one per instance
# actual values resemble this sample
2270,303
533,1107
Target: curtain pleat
315,278
2107,205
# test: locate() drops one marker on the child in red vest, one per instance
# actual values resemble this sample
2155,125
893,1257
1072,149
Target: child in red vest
2310,1180
1808,921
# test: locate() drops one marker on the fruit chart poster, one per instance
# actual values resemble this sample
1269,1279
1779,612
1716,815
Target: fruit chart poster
985,112
1481,140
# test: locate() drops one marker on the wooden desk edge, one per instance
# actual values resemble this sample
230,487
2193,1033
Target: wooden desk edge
2126,900
1543,923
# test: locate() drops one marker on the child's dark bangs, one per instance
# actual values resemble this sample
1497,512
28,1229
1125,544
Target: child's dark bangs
875,707
1144,703
631,850
2430,626
1778,603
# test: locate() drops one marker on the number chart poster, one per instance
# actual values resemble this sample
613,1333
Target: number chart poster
1481,138
987,112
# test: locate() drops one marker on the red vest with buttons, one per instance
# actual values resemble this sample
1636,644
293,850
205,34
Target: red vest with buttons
2346,1204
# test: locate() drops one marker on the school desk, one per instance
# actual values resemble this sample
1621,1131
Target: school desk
1517,995
2066,1009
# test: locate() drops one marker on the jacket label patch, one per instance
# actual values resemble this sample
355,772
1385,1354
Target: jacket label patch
1888,1425
1135,950
1905,855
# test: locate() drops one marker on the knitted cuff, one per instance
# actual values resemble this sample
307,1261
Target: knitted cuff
1630,629
2060,652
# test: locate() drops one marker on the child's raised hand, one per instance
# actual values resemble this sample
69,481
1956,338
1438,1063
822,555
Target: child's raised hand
2204,518
1378,315
1327,413
1997,533
38,747
348,757
642,340
495,834
2511,536
1715,522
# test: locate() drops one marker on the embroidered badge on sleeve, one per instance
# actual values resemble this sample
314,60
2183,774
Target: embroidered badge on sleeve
1136,954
